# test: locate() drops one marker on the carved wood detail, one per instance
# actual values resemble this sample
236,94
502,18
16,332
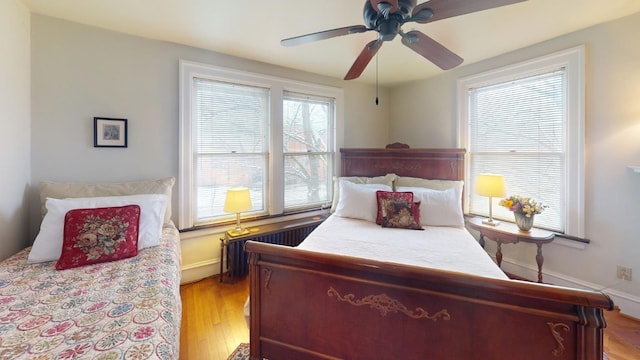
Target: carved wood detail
397,145
386,305
557,352
267,278
591,318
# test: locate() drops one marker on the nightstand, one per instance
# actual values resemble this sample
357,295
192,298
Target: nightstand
508,233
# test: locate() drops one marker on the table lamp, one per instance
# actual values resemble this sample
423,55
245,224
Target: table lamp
490,185
237,201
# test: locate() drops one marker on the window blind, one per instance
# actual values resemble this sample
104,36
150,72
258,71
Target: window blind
231,144
518,128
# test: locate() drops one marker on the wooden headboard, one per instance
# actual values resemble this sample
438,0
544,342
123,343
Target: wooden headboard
443,164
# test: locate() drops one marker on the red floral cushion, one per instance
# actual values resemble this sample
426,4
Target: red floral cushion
99,235
388,195
400,214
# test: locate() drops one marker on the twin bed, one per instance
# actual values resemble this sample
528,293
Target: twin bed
358,290
127,308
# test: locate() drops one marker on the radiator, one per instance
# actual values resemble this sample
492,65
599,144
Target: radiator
238,259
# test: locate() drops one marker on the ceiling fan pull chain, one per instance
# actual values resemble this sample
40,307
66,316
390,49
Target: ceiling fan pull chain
376,79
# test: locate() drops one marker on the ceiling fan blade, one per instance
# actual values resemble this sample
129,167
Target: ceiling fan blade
322,35
432,50
393,3
363,59
443,9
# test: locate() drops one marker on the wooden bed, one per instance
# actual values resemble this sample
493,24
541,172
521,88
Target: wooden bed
307,305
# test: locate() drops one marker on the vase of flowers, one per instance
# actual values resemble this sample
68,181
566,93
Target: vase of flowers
524,223
524,209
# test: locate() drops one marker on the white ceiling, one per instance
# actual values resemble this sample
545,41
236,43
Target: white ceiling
253,29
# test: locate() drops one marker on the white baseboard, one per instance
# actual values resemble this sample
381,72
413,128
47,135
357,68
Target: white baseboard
197,271
629,304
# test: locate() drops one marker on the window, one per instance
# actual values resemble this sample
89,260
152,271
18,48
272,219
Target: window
306,130
526,122
272,135
230,144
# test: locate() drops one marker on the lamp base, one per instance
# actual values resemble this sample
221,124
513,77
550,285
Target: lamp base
238,232
491,222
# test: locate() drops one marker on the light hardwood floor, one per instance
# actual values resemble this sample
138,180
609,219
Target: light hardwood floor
621,337
213,323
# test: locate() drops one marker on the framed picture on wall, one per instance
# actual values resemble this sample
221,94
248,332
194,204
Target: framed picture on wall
109,132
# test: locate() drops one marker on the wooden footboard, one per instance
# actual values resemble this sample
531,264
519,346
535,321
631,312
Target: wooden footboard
306,305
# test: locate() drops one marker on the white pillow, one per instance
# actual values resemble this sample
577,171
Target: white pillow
359,201
386,179
61,190
438,207
403,181
48,244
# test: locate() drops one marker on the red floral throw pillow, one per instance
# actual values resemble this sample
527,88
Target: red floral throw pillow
400,214
99,235
389,195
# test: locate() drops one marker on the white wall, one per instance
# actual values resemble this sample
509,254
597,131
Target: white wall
15,47
80,72
425,116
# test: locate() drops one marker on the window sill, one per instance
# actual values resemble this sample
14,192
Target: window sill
219,228
574,244
573,238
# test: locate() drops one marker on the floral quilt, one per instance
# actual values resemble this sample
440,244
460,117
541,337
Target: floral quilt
125,309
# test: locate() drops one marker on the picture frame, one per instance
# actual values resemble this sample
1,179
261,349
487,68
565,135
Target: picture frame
109,132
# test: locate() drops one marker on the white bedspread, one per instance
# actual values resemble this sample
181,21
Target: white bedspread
446,248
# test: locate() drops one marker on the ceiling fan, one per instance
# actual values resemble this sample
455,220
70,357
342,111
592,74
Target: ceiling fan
387,17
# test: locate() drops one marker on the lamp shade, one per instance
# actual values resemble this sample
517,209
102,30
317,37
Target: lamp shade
238,200
490,185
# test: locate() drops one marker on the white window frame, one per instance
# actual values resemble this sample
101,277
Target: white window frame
275,191
328,152
573,60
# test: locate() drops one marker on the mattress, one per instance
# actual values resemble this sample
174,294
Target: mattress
126,309
439,247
